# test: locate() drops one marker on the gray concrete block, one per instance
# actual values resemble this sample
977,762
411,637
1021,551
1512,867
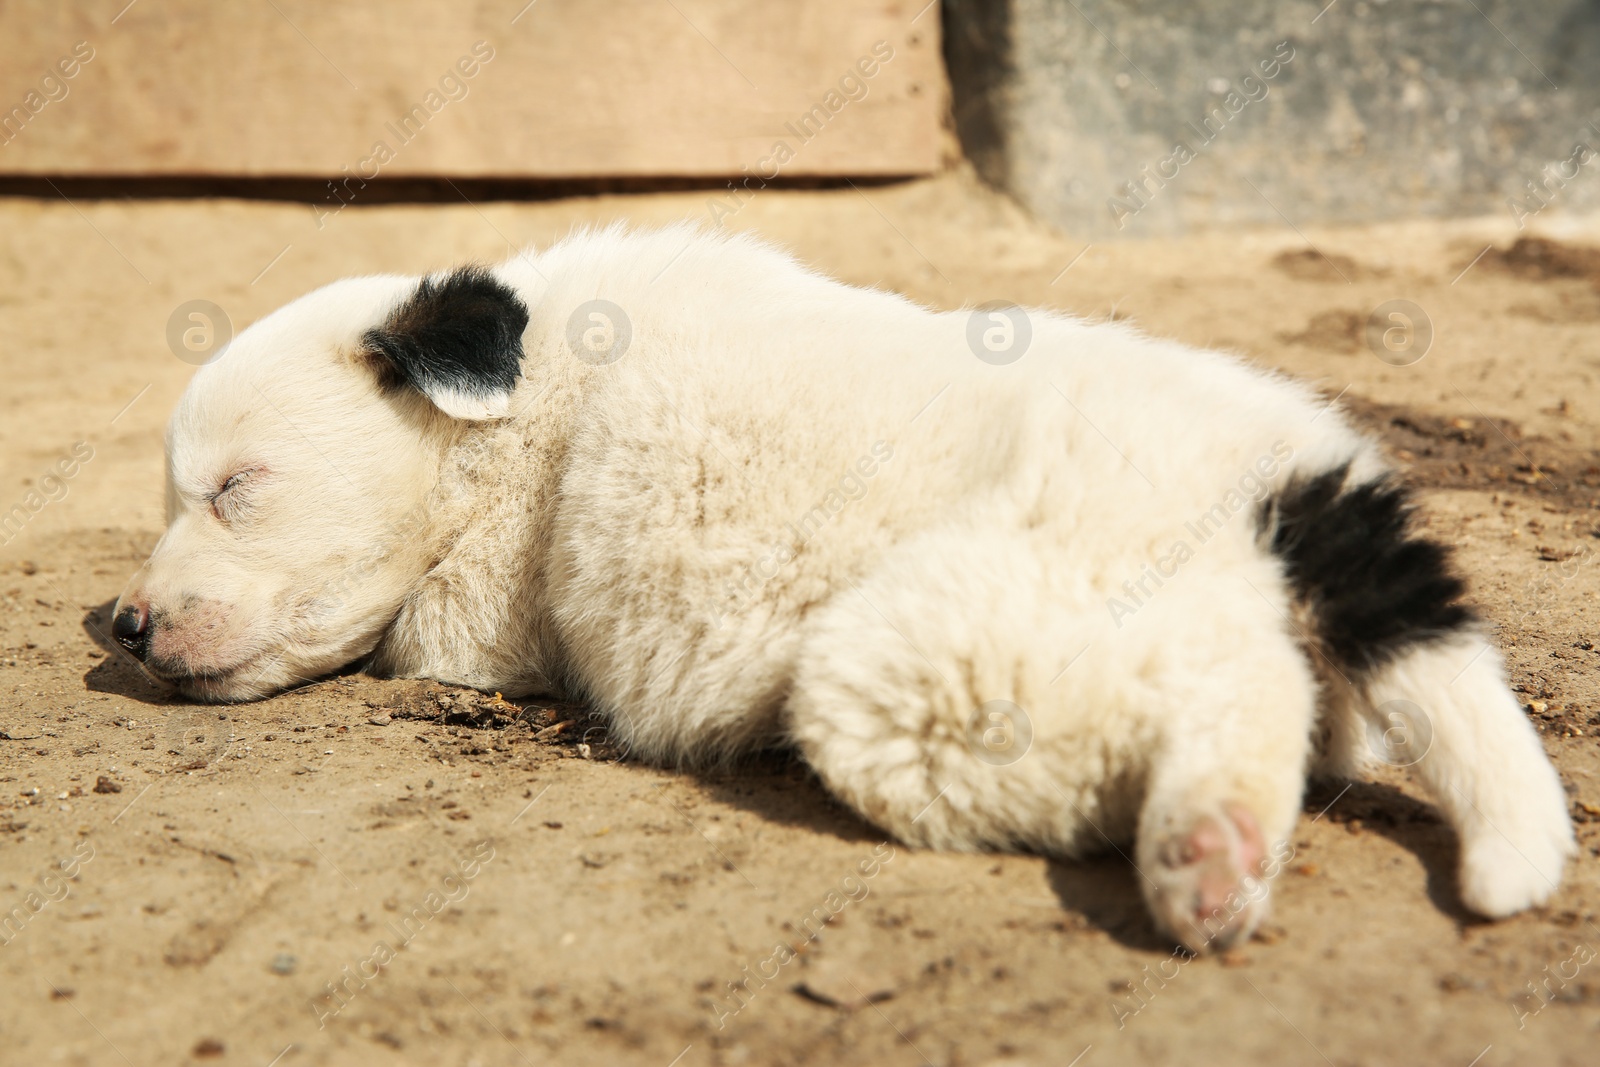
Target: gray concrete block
1161,116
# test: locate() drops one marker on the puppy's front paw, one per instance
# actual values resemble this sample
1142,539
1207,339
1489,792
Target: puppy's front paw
1501,877
1203,882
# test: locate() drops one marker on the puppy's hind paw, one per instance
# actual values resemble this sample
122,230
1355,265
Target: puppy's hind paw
1203,883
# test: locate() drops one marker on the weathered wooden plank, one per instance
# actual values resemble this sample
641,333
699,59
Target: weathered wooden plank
554,89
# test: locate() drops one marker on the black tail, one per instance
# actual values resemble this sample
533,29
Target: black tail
1373,588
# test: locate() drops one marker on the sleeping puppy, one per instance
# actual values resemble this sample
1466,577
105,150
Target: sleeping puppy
1008,580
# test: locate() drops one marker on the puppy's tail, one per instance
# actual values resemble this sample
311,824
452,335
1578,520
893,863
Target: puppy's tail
1382,609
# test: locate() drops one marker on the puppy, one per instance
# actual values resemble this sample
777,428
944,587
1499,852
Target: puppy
1008,580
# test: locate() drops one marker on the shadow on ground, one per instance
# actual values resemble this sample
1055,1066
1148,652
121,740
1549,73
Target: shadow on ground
118,673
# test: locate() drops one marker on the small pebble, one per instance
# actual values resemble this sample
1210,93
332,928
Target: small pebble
103,784
383,719
283,963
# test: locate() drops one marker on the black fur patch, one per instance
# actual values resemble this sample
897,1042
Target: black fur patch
462,333
1372,587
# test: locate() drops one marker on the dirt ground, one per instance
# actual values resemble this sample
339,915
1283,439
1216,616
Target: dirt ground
480,884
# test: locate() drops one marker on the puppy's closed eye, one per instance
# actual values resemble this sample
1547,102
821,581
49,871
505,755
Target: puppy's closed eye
231,502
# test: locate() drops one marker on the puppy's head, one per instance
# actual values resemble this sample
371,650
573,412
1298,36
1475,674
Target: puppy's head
299,467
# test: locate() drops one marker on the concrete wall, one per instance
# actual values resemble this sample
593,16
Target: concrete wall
1111,118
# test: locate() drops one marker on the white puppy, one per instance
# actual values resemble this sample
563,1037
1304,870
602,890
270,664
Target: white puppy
1007,579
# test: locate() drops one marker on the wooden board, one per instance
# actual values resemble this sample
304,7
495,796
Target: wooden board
555,89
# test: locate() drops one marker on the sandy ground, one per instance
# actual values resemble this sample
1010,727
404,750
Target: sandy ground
550,904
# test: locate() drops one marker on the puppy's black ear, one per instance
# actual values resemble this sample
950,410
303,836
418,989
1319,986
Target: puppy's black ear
458,338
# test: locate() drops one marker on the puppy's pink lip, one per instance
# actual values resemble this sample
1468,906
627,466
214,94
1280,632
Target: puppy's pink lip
209,677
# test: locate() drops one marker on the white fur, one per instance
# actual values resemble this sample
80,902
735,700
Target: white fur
1486,768
622,535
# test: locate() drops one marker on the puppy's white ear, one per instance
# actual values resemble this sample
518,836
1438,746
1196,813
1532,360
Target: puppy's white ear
457,338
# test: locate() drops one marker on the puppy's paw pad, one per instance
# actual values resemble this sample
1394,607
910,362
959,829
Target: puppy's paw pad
1207,891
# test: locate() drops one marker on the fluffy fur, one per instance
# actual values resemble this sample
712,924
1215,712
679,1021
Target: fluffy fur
797,511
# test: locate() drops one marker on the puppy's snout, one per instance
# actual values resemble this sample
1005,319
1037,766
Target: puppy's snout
131,629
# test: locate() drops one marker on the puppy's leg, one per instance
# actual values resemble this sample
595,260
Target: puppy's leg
923,698
960,698
1225,787
1343,749
1443,709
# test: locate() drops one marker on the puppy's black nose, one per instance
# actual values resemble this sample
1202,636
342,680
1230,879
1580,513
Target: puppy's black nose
131,628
